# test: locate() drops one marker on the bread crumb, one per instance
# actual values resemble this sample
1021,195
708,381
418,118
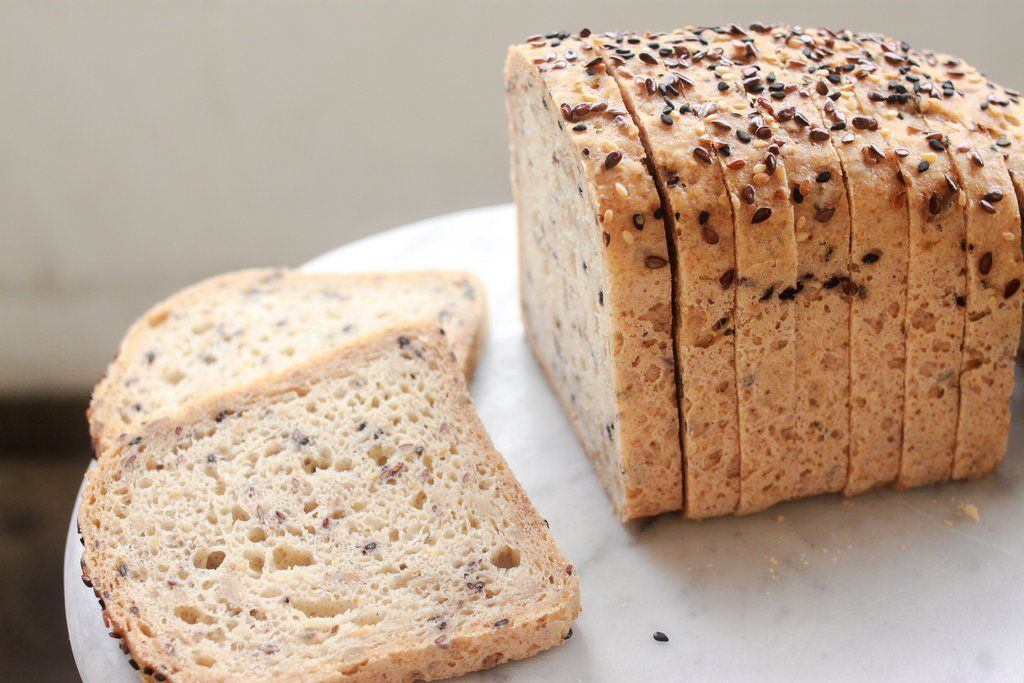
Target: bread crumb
970,510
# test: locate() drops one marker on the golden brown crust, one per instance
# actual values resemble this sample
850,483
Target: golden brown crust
636,294
994,263
878,262
530,629
823,231
766,267
699,218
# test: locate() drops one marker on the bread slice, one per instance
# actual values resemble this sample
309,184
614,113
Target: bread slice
237,326
700,222
347,518
936,263
595,278
784,91
766,263
994,261
878,259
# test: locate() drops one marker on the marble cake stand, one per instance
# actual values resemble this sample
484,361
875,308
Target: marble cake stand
889,586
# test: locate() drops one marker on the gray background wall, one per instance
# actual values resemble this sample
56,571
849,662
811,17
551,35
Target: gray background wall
145,145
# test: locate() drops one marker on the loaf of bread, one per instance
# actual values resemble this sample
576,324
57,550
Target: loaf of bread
237,326
843,229
345,519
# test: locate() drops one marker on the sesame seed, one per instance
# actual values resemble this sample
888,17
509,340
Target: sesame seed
985,263
660,637
761,215
612,160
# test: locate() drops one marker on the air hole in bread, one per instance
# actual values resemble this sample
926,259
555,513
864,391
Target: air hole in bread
173,376
419,499
257,535
191,615
322,608
287,557
505,557
380,453
239,514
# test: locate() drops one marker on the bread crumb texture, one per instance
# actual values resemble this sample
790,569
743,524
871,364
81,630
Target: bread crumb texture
347,519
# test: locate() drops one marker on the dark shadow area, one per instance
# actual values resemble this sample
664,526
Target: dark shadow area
44,450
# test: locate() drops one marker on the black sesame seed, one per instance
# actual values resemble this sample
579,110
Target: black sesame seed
985,263
761,215
870,257
727,278
961,300
937,145
923,166
660,637
1011,288
666,119
612,160
824,177
704,216
987,206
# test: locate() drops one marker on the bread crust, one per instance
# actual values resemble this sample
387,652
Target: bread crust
530,628
465,313
641,465
766,266
700,223
785,92
992,212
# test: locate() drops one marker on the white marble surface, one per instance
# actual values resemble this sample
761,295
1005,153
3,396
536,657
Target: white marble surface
888,586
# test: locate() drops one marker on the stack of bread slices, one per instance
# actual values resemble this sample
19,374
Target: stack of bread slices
769,262
293,484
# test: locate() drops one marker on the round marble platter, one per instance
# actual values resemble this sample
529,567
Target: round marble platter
924,585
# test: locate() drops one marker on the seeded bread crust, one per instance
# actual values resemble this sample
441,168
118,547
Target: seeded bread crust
237,326
994,266
650,73
879,222
791,97
766,265
231,609
936,264
601,329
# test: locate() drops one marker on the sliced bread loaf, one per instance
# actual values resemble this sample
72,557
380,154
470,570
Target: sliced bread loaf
595,278
936,263
235,327
784,92
993,254
749,154
651,74
878,258
346,519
